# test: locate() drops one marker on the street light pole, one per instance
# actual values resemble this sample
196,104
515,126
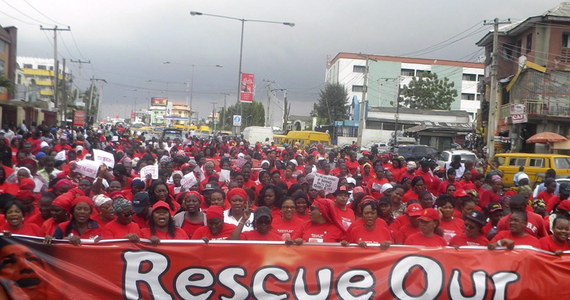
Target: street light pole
242,20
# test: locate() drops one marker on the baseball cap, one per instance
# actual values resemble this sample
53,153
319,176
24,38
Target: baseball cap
460,193
477,217
209,187
414,210
140,201
357,190
494,206
429,214
564,205
160,204
262,211
351,180
565,189
385,187
341,189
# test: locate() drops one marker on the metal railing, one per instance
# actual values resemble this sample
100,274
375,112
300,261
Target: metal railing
560,108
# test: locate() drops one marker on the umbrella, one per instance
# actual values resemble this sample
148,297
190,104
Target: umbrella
546,137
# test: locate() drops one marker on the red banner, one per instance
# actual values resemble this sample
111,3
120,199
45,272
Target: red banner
79,118
195,270
246,88
158,101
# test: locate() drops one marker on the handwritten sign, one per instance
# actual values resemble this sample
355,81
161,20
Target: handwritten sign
104,157
152,170
188,181
61,155
325,182
87,168
225,175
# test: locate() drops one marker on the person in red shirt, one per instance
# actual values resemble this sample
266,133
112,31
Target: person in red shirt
81,226
123,226
473,234
405,225
301,206
548,194
104,207
191,218
535,225
442,189
324,225
370,228
5,187
466,182
14,213
414,192
397,169
286,223
216,228
262,219
431,182
161,225
450,224
345,214
428,223
516,235
558,241
352,163
63,145
492,195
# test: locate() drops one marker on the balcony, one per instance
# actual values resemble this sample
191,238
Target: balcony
552,108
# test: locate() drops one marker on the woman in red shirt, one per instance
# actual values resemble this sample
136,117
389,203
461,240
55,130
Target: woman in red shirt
161,225
450,225
428,223
104,207
191,218
123,226
473,235
158,191
81,226
262,219
301,206
558,241
516,235
14,213
286,223
216,229
370,228
323,226
413,193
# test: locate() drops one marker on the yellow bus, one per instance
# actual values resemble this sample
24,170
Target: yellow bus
307,138
535,165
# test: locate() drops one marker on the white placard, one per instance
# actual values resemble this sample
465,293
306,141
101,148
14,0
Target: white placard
87,168
188,181
115,138
225,175
376,186
61,155
325,182
152,170
240,161
104,157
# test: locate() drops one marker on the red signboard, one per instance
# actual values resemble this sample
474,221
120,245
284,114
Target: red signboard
246,88
79,118
196,270
158,101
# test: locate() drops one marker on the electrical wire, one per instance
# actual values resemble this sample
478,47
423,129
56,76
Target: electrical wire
17,19
41,13
21,12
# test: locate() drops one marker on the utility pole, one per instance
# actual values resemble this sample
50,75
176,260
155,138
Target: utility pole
64,94
91,106
80,62
268,85
55,62
397,115
493,99
361,118
224,112
286,110
214,115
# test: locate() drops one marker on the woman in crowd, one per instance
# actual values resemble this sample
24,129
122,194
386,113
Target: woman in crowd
323,226
191,218
450,224
14,214
104,207
558,240
161,225
81,225
302,205
417,186
158,191
238,204
428,223
287,222
370,228
216,229
473,234
123,226
516,235
262,229
270,196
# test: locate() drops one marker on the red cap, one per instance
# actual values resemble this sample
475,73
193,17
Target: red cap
460,193
429,214
414,210
160,204
564,205
365,152
214,212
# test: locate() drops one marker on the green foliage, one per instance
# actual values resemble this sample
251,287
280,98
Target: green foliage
332,104
429,92
6,83
253,115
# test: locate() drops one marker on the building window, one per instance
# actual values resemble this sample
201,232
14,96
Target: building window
518,48
528,43
42,67
2,46
28,66
358,88
469,77
466,96
422,72
358,69
2,64
407,72
565,52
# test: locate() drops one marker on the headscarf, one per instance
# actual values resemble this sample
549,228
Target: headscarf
214,212
63,182
236,191
65,201
197,195
100,200
27,184
120,204
326,208
85,199
496,179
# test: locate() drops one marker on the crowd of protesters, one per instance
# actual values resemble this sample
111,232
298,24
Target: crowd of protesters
227,188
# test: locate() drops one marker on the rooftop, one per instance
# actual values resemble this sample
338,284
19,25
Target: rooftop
425,61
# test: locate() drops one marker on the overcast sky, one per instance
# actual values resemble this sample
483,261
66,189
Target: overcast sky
128,41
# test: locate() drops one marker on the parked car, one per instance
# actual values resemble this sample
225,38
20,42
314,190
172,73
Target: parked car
447,156
417,152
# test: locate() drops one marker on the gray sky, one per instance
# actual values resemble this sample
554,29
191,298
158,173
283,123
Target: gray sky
128,41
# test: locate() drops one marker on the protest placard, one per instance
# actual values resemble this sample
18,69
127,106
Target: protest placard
188,181
61,155
87,168
325,182
104,157
225,175
152,170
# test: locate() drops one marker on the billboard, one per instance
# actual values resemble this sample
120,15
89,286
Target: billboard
79,118
158,101
246,88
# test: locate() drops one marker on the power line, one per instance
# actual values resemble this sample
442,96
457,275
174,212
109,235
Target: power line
17,19
41,13
21,12
426,48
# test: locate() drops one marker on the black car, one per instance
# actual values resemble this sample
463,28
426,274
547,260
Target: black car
417,152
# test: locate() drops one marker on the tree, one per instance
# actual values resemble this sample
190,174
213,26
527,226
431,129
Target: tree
5,82
253,115
333,104
429,92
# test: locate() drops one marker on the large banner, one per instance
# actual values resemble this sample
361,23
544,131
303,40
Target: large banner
158,101
196,270
246,88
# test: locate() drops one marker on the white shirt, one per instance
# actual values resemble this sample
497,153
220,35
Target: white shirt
229,219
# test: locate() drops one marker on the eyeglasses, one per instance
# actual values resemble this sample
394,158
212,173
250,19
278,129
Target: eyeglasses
127,214
263,222
451,190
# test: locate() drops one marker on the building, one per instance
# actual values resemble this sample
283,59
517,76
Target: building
387,73
8,50
38,78
533,70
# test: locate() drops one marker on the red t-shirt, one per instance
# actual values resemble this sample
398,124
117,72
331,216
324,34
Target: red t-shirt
430,181
547,243
204,231
527,239
404,232
419,239
179,234
114,230
191,227
93,230
319,233
452,228
487,196
26,229
286,228
36,219
535,225
10,188
357,232
463,240
410,195
345,217
352,166
254,235
466,186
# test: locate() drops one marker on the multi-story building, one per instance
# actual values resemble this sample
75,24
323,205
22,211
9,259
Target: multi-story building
386,74
533,69
38,76
8,50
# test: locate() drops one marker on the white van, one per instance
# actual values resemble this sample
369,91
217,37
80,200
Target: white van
256,134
